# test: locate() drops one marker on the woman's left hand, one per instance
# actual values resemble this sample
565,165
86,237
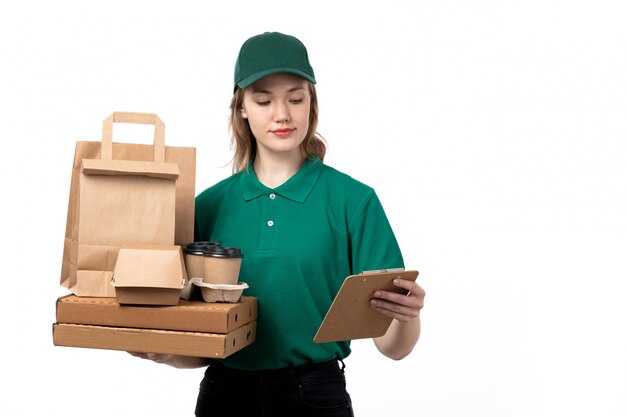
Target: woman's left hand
403,308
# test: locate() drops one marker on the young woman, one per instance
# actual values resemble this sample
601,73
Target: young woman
302,227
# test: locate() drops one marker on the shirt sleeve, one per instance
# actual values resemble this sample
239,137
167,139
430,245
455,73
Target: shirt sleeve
373,245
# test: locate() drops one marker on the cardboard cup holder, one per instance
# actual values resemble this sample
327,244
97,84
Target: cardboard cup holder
215,269
215,293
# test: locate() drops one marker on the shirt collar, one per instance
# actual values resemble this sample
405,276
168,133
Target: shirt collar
297,188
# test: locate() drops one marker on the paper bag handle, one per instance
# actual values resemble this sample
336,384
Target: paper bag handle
138,118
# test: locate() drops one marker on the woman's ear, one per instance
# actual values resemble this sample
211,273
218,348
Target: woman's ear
243,112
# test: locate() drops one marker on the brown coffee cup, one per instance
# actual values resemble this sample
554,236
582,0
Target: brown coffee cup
195,265
222,265
194,258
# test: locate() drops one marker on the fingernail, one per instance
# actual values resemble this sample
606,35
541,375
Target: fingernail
377,294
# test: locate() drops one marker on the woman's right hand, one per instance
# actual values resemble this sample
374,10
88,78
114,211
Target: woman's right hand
182,362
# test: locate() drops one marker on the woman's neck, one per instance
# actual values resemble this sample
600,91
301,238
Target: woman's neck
273,169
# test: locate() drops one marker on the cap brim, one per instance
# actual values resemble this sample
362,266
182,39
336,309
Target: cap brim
251,79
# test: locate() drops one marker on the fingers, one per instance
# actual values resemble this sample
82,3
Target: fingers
414,298
393,310
155,357
159,357
403,307
411,286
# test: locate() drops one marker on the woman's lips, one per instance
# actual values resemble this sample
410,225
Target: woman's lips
282,132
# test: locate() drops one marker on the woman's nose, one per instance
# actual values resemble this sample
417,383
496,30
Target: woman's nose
281,113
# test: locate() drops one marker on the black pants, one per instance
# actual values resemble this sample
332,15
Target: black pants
308,390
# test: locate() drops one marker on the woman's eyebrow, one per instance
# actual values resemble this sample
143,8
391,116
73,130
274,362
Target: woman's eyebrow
262,91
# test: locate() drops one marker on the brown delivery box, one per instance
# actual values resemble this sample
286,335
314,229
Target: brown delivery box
149,274
206,345
188,315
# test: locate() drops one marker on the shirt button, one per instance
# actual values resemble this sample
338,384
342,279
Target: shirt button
270,223
272,196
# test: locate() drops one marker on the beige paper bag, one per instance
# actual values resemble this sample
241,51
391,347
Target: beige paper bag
124,193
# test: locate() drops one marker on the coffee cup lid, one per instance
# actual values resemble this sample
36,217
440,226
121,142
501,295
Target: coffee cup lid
222,252
198,248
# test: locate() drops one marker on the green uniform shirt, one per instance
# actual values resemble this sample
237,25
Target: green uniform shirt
299,241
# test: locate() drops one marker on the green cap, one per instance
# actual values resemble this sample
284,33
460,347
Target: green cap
271,53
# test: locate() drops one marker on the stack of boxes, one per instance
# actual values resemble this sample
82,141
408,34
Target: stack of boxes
147,314
191,328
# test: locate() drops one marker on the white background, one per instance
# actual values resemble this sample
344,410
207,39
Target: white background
493,131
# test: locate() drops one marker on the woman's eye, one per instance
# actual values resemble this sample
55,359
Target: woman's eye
295,101
263,103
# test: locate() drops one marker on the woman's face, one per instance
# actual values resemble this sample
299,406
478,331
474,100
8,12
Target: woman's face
277,109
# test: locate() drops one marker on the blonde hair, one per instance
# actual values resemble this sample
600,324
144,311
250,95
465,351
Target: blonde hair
244,143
